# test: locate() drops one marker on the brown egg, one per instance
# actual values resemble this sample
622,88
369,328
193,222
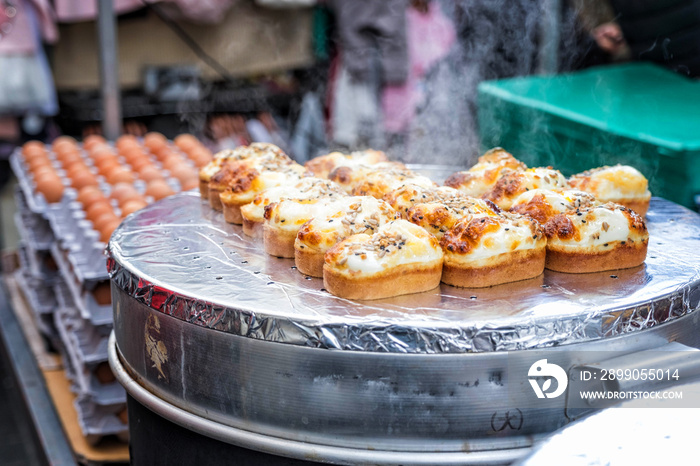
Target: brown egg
88,195
130,151
162,153
37,163
126,140
83,178
159,189
200,156
154,140
185,142
69,158
107,166
33,155
107,230
43,170
132,206
104,374
190,183
123,416
137,164
33,147
102,152
75,168
51,186
150,173
63,141
172,161
93,140
123,191
183,172
98,208
102,220
102,293
132,197
120,175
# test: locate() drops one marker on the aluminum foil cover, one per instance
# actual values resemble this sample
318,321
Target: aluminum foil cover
179,257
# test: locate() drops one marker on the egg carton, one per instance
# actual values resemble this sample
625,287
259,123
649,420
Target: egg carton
35,200
90,345
85,251
38,265
105,392
65,301
98,422
32,227
42,304
81,288
38,292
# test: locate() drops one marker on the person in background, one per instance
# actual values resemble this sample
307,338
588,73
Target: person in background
664,32
27,92
430,35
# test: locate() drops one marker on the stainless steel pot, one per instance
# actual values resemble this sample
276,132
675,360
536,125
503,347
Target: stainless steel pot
216,336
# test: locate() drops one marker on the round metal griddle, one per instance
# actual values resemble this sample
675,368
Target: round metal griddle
226,340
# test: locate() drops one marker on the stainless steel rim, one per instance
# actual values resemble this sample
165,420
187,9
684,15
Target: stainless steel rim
292,449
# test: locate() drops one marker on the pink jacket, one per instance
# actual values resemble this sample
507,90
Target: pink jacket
21,39
430,37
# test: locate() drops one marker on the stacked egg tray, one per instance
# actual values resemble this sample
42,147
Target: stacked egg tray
69,199
101,400
38,271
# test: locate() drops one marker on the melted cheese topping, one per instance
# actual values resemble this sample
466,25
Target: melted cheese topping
397,243
255,150
266,178
438,217
481,177
513,184
543,204
351,216
408,195
619,182
290,214
350,175
600,227
477,239
306,188
379,183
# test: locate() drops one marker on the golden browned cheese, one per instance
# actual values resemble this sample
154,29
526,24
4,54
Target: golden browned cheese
488,177
500,156
310,236
537,208
436,217
321,166
491,166
636,221
341,175
582,181
228,170
268,210
467,233
458,179
243,179
507,187
561,226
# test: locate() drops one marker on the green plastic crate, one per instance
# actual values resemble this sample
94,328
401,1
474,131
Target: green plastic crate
637,114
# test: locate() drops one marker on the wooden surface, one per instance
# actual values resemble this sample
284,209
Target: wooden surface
109,450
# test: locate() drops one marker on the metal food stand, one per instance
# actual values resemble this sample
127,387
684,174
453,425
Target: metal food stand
216,336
